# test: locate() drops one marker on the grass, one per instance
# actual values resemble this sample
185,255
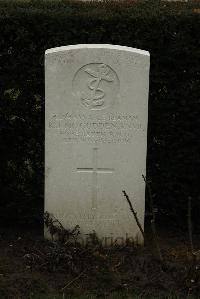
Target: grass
114,296
61,3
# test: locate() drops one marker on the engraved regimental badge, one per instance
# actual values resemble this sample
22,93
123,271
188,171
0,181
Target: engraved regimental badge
96,86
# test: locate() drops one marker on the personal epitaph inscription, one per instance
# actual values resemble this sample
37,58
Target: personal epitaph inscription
96,114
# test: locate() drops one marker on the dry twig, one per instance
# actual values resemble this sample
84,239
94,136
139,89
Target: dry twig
153,220
189,218
73,280
133,212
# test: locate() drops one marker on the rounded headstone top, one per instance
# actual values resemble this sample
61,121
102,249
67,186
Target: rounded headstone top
96,46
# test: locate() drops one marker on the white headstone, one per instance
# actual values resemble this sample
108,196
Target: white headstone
96,138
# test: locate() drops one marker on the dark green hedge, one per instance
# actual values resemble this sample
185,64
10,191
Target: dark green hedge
170,32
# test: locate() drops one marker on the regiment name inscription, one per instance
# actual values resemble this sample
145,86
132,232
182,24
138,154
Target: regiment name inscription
107,128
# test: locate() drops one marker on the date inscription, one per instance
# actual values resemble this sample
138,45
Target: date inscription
106,128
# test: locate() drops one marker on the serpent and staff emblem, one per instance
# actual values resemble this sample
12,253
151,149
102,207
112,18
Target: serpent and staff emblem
96,85
96,97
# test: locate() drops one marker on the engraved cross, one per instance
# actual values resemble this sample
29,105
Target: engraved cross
95,170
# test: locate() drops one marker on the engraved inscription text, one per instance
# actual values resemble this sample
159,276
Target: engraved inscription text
107,128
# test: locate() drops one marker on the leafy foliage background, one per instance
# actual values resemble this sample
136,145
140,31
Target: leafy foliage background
169,31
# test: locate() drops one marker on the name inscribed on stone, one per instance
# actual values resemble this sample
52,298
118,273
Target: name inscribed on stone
105,128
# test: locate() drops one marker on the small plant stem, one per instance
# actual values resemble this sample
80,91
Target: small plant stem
73,280
133,212
189,218
153,220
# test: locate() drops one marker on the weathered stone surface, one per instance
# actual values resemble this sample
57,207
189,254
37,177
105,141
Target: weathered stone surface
96,138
